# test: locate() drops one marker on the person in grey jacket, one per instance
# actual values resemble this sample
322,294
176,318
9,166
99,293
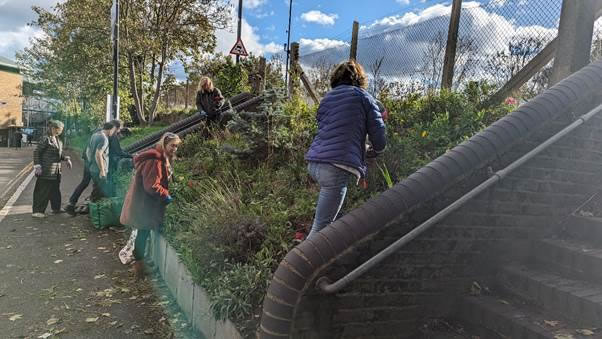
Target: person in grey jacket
209,99
47,158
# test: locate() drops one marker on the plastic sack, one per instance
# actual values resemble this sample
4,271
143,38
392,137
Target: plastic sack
126,255
105,212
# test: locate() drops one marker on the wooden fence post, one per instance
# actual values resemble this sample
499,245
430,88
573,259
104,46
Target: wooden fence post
452,42
354,39
575,32
186,96
262,74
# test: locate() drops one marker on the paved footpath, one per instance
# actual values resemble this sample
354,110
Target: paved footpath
61,278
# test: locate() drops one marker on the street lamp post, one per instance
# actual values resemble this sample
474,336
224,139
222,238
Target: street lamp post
114,102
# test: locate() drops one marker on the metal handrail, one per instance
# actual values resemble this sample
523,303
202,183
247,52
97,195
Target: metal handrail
324,284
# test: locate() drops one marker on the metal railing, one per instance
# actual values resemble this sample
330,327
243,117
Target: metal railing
324,284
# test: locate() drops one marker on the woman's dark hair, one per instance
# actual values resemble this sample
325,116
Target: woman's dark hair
349,73
108,126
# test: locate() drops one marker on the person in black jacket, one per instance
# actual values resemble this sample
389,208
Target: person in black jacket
116,153
47,158
209,99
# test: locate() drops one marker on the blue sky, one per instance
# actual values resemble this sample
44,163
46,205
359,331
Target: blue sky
319,24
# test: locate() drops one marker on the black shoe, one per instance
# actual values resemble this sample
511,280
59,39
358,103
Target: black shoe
70,209
59,211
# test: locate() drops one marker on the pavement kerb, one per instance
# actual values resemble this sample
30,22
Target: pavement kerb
198,309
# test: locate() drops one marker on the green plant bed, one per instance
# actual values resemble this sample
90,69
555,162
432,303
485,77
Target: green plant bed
241,194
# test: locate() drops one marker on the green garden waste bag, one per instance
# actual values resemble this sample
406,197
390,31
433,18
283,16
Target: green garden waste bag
105,212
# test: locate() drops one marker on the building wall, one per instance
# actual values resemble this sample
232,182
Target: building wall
11,113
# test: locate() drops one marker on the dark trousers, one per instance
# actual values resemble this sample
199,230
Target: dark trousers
99,188
46,190
140,245
81,187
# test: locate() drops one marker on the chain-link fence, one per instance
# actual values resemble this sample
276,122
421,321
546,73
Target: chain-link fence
405,53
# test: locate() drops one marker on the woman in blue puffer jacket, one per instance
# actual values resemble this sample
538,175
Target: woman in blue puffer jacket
346,115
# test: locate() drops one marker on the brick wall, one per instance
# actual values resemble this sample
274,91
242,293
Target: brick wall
396,298
10,93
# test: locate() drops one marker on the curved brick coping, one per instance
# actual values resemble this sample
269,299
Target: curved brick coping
192,299
297,273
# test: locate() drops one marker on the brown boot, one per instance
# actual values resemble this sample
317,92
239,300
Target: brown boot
138,266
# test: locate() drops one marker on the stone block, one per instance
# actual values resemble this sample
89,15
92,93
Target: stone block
226,330
161,253
185,290
172,267
202,318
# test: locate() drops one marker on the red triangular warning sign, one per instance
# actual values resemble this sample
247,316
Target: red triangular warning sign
239,49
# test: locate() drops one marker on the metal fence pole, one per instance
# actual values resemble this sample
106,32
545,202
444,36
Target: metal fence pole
452,43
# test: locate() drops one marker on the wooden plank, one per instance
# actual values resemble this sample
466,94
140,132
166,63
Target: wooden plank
307,85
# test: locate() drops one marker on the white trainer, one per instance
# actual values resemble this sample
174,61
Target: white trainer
38,215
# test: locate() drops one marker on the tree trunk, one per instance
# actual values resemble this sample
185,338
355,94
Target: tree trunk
134,90
153,109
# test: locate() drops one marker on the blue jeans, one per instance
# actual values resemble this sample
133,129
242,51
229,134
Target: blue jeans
333,188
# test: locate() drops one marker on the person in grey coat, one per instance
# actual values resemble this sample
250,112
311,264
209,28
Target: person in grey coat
47,158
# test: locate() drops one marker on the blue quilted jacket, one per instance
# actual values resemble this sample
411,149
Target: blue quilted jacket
345,116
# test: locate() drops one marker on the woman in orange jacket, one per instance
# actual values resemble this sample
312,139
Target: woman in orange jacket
148,195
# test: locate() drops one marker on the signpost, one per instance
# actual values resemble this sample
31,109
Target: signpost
239,49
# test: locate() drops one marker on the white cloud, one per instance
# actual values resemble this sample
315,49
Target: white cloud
314,45
403,40
319,17
273,47
16,40
403,2
253,3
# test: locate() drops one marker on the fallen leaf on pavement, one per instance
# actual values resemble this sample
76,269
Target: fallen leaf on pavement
100,276
45,335
113,323
16,317
552,323
58,261
108,315
564,336
585,332
91,320
149,331
9,247
504,302
52,321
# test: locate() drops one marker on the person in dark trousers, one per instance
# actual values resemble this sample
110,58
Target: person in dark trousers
97,154
148,194
209,99
18,139
83,184
47,158
116,153
346,115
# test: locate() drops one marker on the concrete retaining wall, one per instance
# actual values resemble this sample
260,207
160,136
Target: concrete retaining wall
192,299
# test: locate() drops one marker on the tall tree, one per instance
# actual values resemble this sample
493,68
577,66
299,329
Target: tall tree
72,57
